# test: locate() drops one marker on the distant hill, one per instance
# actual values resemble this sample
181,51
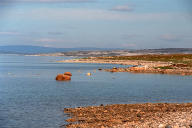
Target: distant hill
163,50
27,49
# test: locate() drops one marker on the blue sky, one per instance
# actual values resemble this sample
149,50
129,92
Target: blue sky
134,24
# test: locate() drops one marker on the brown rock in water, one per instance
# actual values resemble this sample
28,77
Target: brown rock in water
114,70
62,77
68,73
114,67
59,77
67,77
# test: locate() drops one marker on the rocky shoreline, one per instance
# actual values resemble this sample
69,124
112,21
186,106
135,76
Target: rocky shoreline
148,115
157,70
139,66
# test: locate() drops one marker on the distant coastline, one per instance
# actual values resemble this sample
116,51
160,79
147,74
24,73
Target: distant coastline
180,64
85,51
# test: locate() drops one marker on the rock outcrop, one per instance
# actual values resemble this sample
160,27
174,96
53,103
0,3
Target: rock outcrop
63,77
68,73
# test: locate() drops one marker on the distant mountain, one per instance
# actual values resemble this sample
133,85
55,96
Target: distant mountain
27,49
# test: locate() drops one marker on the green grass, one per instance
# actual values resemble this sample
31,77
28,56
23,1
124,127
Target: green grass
165,67
174,58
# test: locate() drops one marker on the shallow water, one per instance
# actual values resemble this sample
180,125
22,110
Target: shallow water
31,98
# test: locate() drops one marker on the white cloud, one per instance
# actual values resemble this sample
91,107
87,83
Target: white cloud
122,8
55,33
129,45
48,40
9,33
94,14
130,36
49,1
170,37
48,45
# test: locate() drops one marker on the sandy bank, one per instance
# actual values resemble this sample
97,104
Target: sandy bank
157,115
122,62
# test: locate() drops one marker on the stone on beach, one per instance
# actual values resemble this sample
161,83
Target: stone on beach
162,126
62,77
136,68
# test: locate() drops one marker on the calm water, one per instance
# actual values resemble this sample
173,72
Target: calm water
31,98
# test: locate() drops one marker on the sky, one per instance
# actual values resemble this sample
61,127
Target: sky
130,24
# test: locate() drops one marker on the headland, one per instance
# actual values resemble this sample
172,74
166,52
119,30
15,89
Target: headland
179,64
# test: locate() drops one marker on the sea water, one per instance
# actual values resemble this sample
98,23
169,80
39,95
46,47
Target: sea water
31,98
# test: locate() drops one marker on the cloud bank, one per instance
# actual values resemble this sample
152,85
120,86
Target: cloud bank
48,40
170,37
9,33
93,14
123,8
49,1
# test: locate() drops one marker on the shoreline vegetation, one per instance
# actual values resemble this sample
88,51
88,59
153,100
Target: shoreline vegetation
148,115
180,64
